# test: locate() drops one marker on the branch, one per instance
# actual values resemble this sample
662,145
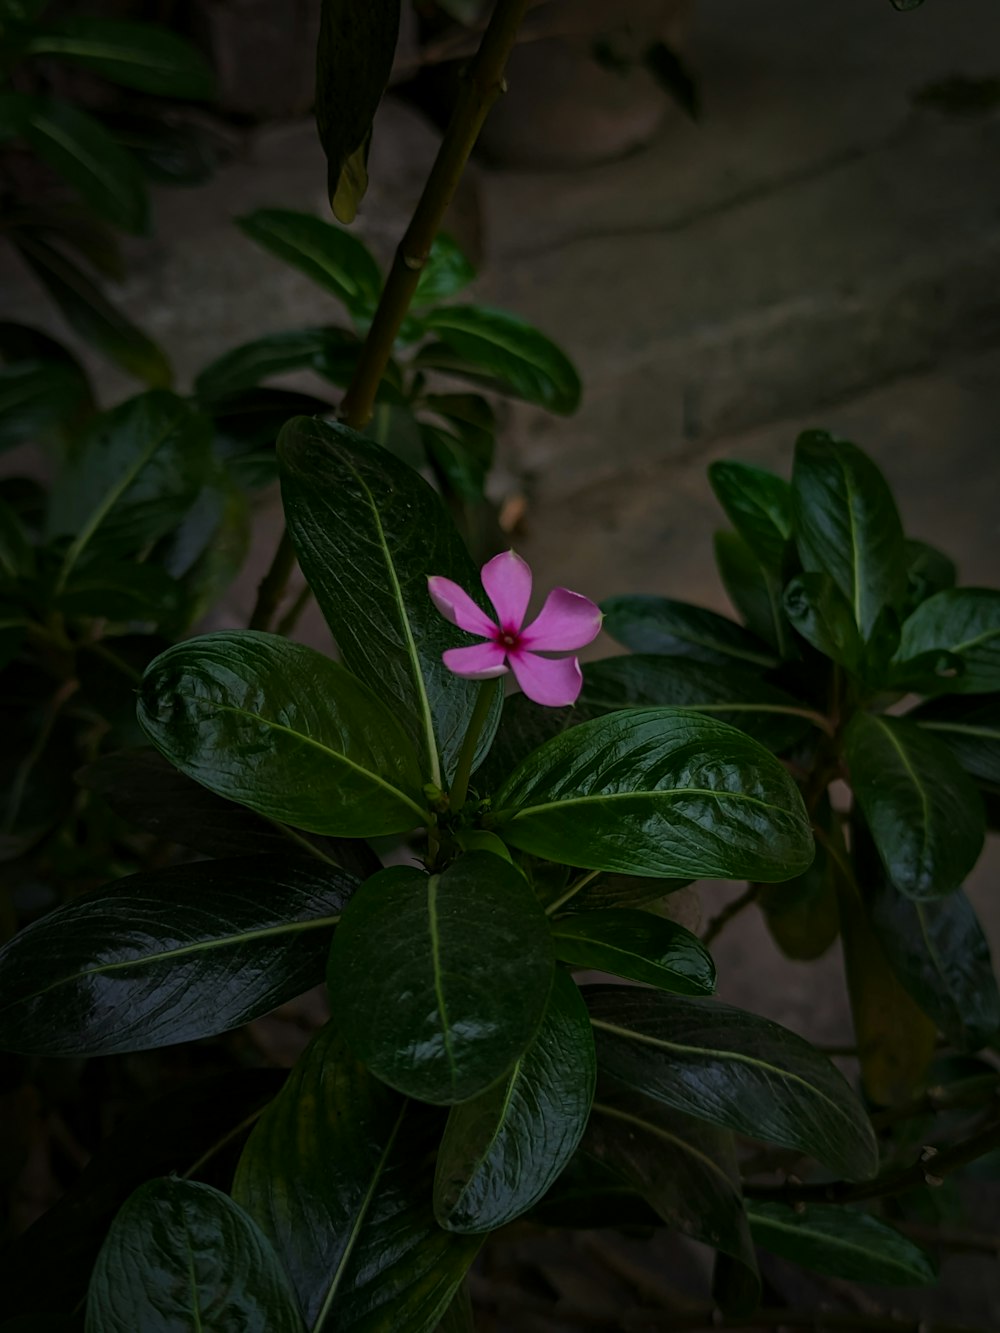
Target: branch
930,1169
719,922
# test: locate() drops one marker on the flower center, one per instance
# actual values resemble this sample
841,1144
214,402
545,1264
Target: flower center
507,639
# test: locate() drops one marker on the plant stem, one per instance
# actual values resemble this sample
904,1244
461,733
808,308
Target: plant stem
272,585
722,919
931,1167
480,712
571,892
291,617
482,85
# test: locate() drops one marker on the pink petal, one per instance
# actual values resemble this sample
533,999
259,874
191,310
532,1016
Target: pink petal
507,580
552,682
566,621
480,662
456,605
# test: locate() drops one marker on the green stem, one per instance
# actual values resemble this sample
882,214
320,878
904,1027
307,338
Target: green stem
481,711
572,891
719,922
483,84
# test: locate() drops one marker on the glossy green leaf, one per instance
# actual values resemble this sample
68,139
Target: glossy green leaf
730,693
37,398
971,730
143,56
754,591
207,549
445,274
961,627
820,612
131,478
801,914
90,314
282,729
660,792
733,1069
928,571
511,352
847,525
602,893
648,624
247,424
148,792
463,468
354,57
841,1242
181,1255
169,955
759,506
940,955
195,1128
684,1168
330,256
638,946
458,1318
118,590
81,150
440,981
368,532
337,1175
924,812
501,1151
331,352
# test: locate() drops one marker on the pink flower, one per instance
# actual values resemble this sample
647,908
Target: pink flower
566,621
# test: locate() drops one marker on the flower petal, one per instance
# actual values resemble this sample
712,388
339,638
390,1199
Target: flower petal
479,662
566,621
456,605
554,682
507,580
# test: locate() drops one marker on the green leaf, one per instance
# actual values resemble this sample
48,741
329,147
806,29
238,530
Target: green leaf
841,1242
89,313
759,506
941,956
819,611
81,150
753,591
501,1151
464,469
603,893
147,791
143,56
337,1175
332,257
132,477
660,792
961,627
971,730
182,1255
282,729
924,812
445,274
37,399
330,352
354,57
801,914
458,1318
847,525
732,1069
117,590
638,946
731,694
17,556
440,982
167,956
191,1129
928,571
369,532
169,152
509,351
207,550
684,1168
649,624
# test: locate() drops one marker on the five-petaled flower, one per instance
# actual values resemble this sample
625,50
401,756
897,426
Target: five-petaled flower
566,621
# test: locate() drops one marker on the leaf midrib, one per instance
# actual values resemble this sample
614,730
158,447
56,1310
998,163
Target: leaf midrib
362,1213
738,1056
184,951
670,794
442,1008
799,1230
302,738
45,126
688,1147
925,803
55,44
